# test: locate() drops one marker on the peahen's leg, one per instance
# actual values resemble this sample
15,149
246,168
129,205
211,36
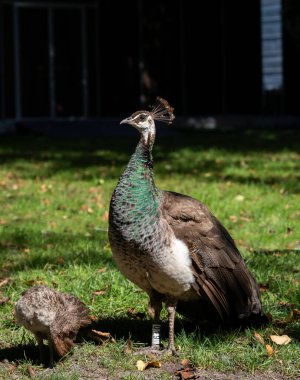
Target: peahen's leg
171,309
154,307
51,350
39,339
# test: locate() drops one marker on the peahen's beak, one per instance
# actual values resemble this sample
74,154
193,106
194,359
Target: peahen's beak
126,121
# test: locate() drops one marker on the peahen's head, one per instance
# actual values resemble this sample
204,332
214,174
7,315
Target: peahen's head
143,121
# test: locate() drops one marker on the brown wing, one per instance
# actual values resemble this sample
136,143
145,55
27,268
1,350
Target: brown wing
220,272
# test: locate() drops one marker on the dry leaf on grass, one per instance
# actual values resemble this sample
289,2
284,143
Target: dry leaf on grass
294,315
269,350
101,337
186,374
263,287
261,340
141,366
31,372
239,198
4,281
269,317
105,216
185,362
128,348
131,312
4,300
233,218
35,282
60,260
96,293
11,368
280,339
258,337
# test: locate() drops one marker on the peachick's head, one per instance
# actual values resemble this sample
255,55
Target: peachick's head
143,121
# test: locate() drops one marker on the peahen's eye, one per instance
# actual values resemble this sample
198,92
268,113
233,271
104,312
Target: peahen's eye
142,117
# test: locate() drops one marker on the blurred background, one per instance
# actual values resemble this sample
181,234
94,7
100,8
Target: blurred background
72,59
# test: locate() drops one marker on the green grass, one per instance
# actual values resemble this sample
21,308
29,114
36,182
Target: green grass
54,197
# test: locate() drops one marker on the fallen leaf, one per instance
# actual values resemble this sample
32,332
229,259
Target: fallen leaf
233,218
286,304
239,198
185,362
46,202
101,270
245,219
101,337
60,260
4,281
86,208
2,222
136,314
141,366
53,224
289,231
31,372
269,350
43,188
186,374
4,300
263,287
105,216
35,282
296,314
11,175
280,339
153,364
99,292
269,317
93,190
11,368
128,348
258,337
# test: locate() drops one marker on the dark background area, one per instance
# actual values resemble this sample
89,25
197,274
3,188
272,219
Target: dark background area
87,59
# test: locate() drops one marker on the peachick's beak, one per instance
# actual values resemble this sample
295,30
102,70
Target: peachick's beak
126,121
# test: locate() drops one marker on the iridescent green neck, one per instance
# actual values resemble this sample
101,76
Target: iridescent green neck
138,175
134,204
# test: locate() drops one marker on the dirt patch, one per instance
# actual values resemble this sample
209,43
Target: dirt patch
92,369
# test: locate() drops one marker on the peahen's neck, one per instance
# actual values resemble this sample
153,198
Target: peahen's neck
135,200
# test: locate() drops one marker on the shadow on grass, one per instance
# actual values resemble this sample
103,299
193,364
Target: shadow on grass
237,140
50,248
139,330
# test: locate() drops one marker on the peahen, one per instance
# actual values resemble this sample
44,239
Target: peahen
172,247
53,316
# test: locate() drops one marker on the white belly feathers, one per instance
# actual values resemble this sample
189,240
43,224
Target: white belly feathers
173,274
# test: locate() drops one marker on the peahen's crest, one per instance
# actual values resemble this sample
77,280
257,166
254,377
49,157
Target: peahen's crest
162,111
